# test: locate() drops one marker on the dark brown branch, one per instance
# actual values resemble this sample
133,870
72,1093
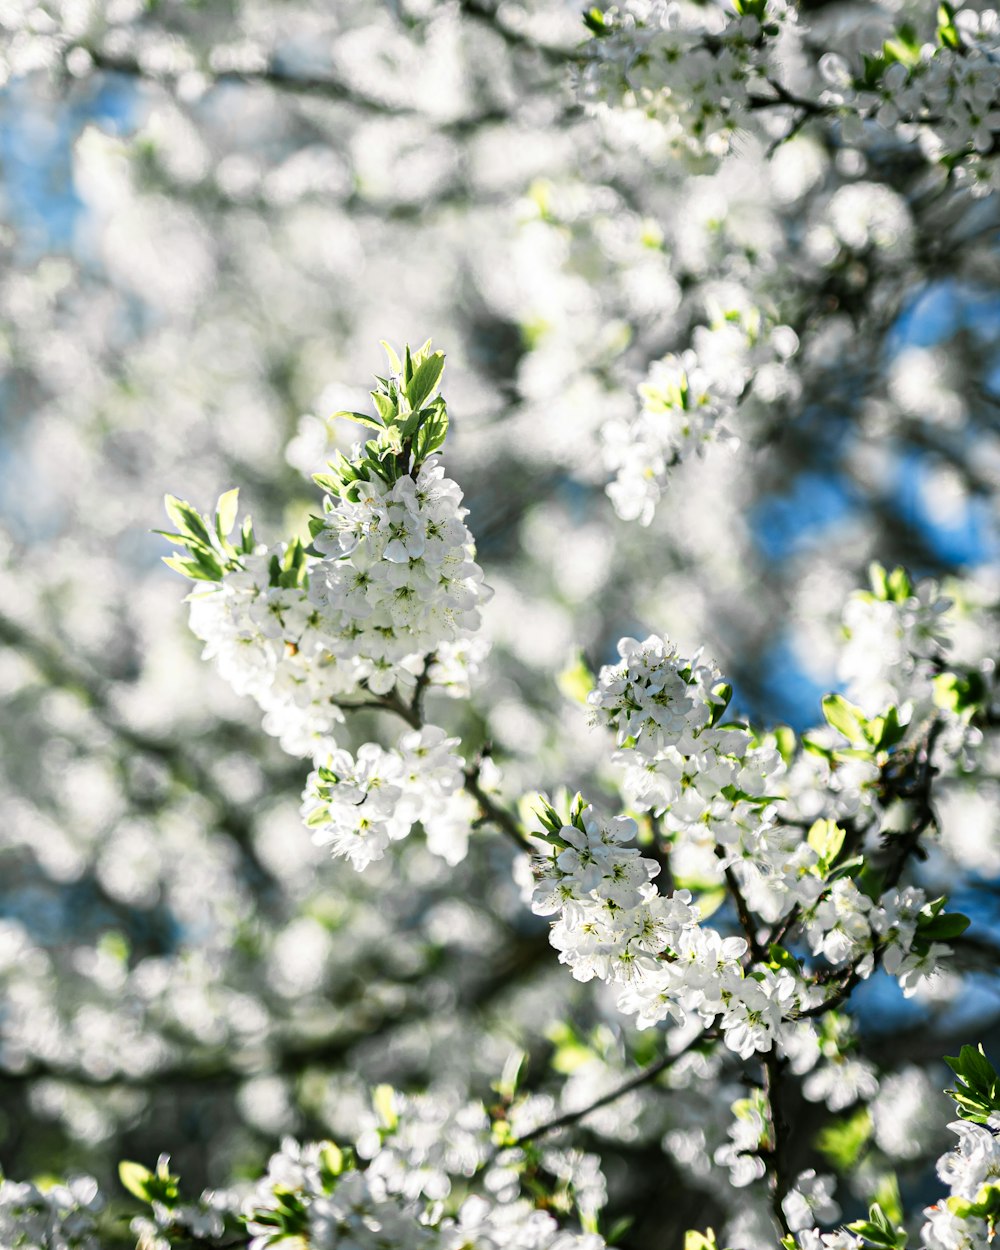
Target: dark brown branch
492,812
641,1078
777,1175
755,950
277,77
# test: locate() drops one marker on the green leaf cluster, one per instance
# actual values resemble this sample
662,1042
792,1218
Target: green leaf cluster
879,1230
986,1205
596,22
894,587
867,735
947,31
936,925
552,821
826,838
903,47
961,693
207,540
159,1186
411,420
751,8
289,571
977,1091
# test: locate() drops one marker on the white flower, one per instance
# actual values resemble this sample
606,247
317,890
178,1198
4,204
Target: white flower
809,1200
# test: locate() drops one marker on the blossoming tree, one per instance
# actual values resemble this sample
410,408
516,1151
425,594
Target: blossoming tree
549,933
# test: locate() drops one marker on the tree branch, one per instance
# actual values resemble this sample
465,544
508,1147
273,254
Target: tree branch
641,1078
499,816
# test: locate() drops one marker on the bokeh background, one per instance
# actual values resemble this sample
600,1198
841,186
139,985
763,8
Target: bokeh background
210,214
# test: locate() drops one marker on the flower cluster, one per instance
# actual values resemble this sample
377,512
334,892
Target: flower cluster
896,640
691,67
711,786
845,926
946,90
320,1194
385,603
269,642
398,575
703,74
63,1217
389,594
967,1218
687,399
357,805
708,786
614,925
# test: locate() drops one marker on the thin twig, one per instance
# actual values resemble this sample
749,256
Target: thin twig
641,1078
499,816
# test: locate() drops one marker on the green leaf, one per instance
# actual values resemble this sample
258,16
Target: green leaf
877,577
360,418
899,586
187,519
843,1141
817,748
618,1229
332,1159
386,409
826,838
947,31
514,1069
879,1230
887,1197
943,928
785,740
958,693
431,433
425,380
723,692
593,19
885,731
384,1103
225,512
247,538
394,362
189,568
135,1178
978,1086
576,681
845,718
694,1240
781,958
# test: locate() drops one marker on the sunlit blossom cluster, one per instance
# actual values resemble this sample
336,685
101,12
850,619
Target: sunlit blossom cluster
687,400
759,212
708,783
946,92
358,805
692,67
394,590
62,1217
